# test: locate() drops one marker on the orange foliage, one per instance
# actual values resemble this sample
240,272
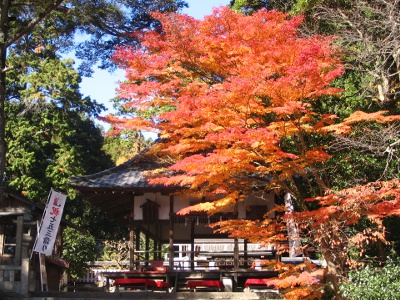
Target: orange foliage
341,209
236,88
127,124
221,77
303,281
359,116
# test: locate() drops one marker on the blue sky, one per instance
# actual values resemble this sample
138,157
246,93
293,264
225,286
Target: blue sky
199,8
101,86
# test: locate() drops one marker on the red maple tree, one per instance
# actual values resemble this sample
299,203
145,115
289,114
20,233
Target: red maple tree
234,99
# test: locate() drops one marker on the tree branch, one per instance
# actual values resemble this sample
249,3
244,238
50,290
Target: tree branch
34,22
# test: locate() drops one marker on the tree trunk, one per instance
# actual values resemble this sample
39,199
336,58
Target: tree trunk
334,271
3,147
3,57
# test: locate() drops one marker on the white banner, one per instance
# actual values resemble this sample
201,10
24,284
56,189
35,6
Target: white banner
50,222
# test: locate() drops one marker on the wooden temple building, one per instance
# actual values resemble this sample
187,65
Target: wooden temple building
19,271
183,244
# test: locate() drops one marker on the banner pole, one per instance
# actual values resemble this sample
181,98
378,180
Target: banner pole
43,273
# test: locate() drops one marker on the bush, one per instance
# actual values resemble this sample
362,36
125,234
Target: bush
79,248
373,282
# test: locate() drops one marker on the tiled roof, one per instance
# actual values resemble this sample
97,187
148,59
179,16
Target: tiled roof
129,175
113,190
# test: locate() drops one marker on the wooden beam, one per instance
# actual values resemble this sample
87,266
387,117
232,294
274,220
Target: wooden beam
13,211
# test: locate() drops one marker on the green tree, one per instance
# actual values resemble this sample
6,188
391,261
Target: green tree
249,6
79,248
368,34
47,146
45,120
49,142
34,34
124,145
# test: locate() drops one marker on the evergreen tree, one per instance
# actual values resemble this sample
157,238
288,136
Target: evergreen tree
249,6
47,132
125,145
33,35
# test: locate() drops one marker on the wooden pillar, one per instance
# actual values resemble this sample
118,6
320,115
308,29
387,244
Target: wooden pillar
137,244
235,255
171,233
24,259
159,249
147,246
154,247
245,256
192,245
131,248
18,242
132,245
25,268
157,243
235,263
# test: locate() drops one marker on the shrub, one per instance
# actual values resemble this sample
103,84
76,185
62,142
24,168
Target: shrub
373,282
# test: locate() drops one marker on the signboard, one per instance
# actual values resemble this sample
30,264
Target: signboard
50,221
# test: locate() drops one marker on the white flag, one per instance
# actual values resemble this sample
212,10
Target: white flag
50,222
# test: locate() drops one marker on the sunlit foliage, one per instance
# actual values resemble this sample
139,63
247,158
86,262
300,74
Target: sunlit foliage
240,92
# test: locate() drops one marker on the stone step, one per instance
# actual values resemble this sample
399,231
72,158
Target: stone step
152,296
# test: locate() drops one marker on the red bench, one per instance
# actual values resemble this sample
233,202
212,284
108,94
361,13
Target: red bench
259,283
205,284
141,283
